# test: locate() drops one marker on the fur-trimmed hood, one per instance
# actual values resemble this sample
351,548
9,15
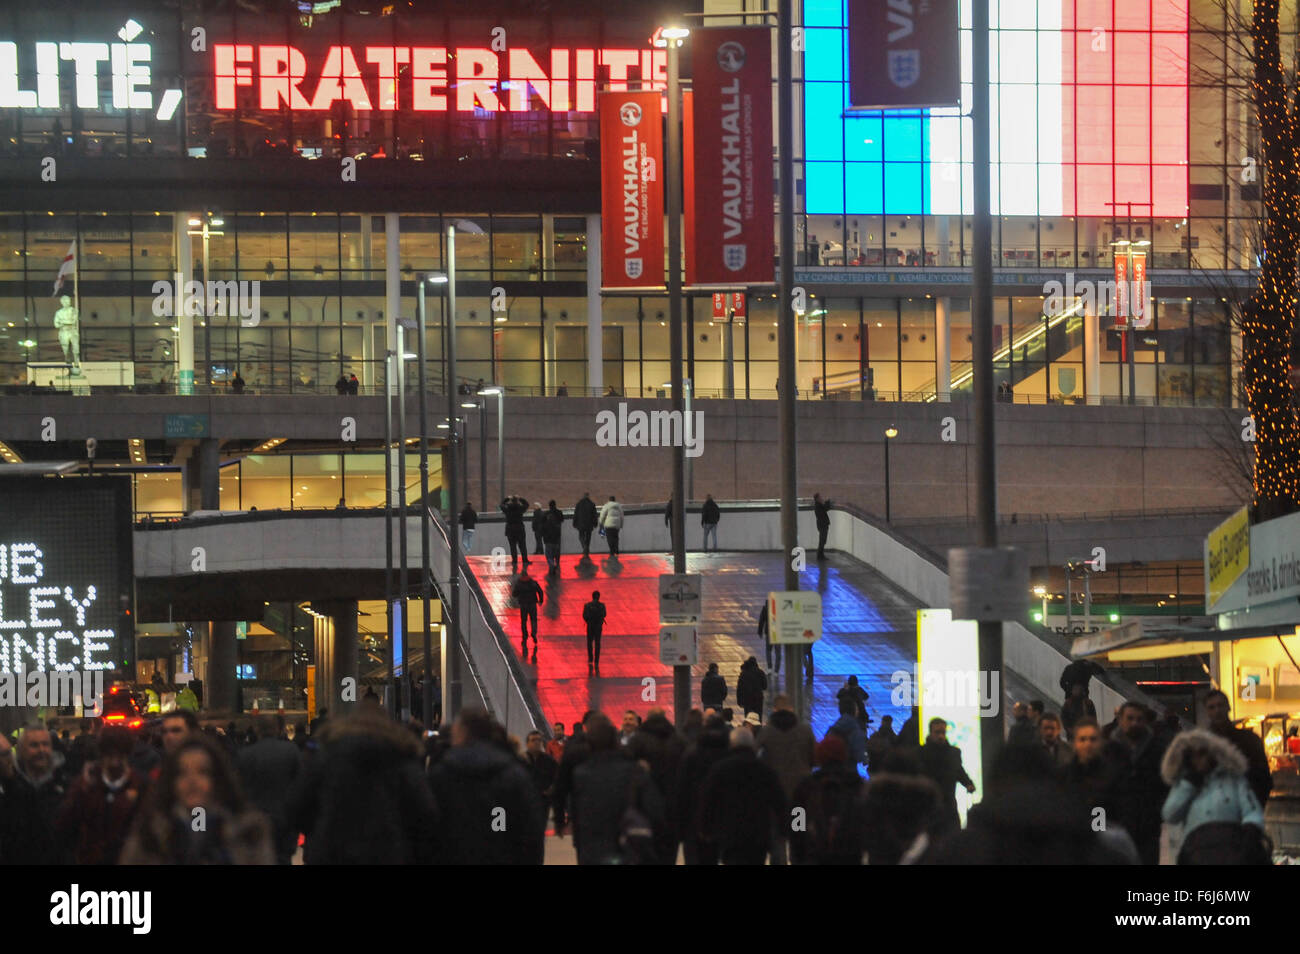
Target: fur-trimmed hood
1226,757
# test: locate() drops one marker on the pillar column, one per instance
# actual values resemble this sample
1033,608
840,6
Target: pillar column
221,691
548,247
209,474
595,339
943,346
941,243
185,323
1092,359
392,281
342,652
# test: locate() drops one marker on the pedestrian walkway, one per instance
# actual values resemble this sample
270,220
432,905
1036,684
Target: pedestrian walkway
869,630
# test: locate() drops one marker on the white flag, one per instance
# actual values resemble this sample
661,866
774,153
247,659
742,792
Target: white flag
68,267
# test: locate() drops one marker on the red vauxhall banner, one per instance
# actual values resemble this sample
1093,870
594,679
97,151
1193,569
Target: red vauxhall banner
731,156
1139,295
632,189
903,55
1121,291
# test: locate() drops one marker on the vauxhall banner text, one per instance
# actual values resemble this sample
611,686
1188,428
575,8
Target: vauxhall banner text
903,55
729,158
632,189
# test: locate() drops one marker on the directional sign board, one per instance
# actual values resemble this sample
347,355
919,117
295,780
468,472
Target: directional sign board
679,598
678,646
794,617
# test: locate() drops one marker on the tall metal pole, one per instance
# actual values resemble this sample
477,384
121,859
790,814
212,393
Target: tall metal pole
681,674
394,703
688,430
451,665
1130,332
402,586
482,455
986,491
888,509
501,441
426,574
786,371
207,320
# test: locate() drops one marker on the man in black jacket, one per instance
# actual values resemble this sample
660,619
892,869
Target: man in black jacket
710,514
468,520
822,513
539,525
605,785
1258,774
552,525
584,521
941,761
593,614
1135,754
514,508
741,804
529,596
713,688
268,768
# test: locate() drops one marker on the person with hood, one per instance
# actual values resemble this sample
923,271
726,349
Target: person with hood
197,781
268,768
787,746
584,521
1245,741
514,509
528,596
539,526
832,798
713,688
552,527
1139,791
605,786
1211,797
941,763
711,746
468,520
363,798
657,745
477,784
847,728
750,686
741,804
710,514
852,690
880,743
611,521
100,807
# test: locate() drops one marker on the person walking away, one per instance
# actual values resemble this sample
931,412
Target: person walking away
712,744
851,690
611,521
833,833
514,509
584,521
593,614
341,385
847,728
880,744
713,689
1210,795
787,746
539,524
477,784
611,793
468,521
1244,741
197,781
268,769
100,807
750,686
822,513
941,762
710,514
764,627
552,527
529,596
741,804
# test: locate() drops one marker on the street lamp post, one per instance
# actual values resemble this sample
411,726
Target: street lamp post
205,228
403,591
499,391
890,433
451,622
394,705
1130,329
1041,592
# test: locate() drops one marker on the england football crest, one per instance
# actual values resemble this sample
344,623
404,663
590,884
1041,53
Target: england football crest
733,256
633,267
904,67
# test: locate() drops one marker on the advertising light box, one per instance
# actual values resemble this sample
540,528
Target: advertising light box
66,574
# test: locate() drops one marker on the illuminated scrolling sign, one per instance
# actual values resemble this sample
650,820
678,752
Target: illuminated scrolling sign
65,574
428,78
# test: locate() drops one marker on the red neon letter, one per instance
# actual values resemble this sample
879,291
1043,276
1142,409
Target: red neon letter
476,75
427,76
227,74
619,62
523,71
341,79
586,85
387,58
280,70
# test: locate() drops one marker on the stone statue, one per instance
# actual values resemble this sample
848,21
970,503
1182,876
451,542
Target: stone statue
67,321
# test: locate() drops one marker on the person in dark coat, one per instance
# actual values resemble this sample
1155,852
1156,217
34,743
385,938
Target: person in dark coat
539,526
584,521
488,808
25,836
710,515
909,733
362,798
741,803
268,769
879,745
1079,673
552,527
657,744
354,386
764,630
750,686
1089,777
468,521
1139,792
710,747
822,514
593,614
941,762
543,769
514,509
851,690
341,385
834,830
1023,731
713,688
100,807
1245,741
847,727
576,751
605,785
1077,706
528,595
